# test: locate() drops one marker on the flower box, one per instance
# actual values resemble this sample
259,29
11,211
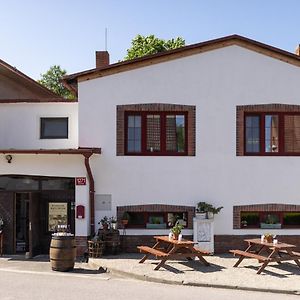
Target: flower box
270,226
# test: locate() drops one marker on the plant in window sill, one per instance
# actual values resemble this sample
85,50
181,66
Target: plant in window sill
244,223
125,218
271,221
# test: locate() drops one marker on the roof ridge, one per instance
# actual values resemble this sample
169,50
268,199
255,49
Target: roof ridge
23,75
181,52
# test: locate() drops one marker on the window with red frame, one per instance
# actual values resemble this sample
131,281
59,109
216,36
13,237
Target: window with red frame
155,133
270,220
272,133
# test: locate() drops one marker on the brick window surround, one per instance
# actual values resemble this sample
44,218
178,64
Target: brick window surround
157,107
272,207
259,108
157,208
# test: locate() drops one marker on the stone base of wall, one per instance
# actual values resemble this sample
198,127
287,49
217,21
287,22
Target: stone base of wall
81,245
223,243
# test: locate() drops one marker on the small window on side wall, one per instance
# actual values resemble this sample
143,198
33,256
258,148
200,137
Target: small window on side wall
54,128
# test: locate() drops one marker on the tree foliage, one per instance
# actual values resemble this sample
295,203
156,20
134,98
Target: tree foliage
52,80
145,45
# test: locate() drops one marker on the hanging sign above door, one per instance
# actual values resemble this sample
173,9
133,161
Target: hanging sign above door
80,181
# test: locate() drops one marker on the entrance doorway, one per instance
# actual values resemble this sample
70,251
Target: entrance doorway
27,223
22,222
32,207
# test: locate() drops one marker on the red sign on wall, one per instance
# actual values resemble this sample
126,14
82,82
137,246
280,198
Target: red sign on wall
80,181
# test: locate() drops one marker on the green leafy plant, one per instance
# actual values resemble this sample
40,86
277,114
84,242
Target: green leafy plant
52,80
249,219
126,216
291,218
146,45
268,237
176,229
104,221
272,219
203,207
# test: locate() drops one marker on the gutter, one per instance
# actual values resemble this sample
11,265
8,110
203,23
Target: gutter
91,191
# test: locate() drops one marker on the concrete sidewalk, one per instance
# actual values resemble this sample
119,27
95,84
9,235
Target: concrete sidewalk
41,265
283,278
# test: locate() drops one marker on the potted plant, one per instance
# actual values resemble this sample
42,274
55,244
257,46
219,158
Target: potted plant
113,222
176,230
125,218
104,222
268,237
207,211
271,221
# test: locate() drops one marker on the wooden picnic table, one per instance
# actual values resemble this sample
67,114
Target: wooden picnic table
166,249
266,252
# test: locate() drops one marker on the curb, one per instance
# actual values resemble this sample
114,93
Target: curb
196,284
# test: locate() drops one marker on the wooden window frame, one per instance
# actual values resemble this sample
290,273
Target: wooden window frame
163,115
42,127
262,152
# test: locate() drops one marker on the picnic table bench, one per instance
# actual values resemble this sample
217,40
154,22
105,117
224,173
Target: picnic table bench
260,258
167,249
273,253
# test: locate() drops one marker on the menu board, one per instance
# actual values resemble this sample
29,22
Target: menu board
58,215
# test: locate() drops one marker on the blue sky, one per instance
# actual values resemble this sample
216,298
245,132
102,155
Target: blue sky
35,34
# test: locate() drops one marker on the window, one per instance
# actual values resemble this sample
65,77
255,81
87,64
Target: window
54,128
156,220
272,133
156,133
270,220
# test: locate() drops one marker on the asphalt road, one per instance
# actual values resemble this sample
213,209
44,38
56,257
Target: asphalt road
32,285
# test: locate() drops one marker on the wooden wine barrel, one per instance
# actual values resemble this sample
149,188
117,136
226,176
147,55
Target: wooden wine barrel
62,253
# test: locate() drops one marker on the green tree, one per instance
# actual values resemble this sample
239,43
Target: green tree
52,80
145,45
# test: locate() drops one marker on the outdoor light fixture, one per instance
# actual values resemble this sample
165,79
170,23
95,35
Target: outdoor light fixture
8,158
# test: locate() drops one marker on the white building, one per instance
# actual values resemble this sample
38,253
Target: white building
217,122
39,163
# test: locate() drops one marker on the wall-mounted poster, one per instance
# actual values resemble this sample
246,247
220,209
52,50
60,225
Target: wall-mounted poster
58,215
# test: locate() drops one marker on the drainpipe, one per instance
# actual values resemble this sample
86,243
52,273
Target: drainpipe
91,190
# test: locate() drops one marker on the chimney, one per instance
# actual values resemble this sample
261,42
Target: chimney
102,59
298,50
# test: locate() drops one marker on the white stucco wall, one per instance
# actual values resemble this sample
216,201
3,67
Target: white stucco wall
20,125
216,82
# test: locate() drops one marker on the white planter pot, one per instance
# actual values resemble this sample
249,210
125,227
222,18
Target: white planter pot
201,215
210,215
270,226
